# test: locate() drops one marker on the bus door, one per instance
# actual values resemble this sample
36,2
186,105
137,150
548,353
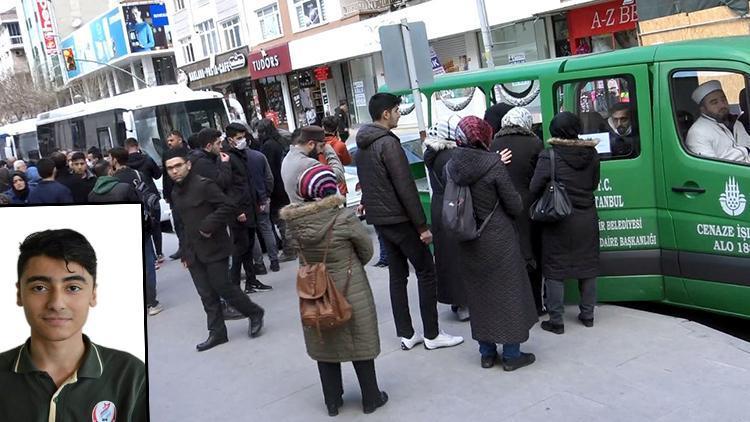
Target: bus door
614,105
707,182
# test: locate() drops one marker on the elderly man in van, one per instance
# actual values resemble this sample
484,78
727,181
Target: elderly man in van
715,134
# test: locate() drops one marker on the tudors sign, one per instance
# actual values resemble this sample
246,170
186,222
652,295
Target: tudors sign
270,61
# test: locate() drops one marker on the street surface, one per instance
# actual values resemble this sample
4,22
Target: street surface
631,366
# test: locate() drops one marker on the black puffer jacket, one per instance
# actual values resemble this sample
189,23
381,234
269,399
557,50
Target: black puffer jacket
240,189
570,247
210,166
275,151
389,193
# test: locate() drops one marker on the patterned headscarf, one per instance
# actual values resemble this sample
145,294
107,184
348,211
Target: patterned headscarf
518,116
474,132
317,182
445,128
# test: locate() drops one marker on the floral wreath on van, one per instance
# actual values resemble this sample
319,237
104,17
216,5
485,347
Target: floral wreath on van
518,99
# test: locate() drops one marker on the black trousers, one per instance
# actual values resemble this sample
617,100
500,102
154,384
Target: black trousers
178,225
404,246
156,231
212,282
333,389
242,254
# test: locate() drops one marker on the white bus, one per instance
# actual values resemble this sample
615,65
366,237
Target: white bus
19,140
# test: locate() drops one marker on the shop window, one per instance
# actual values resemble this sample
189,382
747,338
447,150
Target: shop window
309,13
231,30
179,5
716,128
520,94
461,102
270,21
607,108
209,39
188,54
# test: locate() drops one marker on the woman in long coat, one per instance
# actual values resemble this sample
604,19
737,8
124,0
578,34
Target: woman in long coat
350,248
497,286
517,136
570,247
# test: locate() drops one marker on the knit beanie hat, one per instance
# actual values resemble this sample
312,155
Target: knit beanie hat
317,182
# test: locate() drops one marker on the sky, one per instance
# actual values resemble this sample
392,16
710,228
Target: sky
6,4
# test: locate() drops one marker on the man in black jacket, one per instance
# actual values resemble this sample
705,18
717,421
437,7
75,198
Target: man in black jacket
391,203
274,147
206,212
175,141
150,171
208,161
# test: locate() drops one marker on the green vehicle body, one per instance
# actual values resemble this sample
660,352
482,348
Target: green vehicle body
658,241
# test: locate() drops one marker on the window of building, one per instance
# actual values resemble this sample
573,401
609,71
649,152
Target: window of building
270,21
718,127
209,38
608,109
187,50
309,13
179,5
231,30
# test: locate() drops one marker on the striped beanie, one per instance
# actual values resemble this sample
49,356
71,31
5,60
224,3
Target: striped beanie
317,182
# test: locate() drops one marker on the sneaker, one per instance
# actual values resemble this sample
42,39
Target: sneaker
462,313
525,359
160,258
442,340
261,287
409,343
275,265
153,310
260,269
552,327
249,289
284,257
586,322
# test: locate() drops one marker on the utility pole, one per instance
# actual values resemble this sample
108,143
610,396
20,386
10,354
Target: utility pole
486,34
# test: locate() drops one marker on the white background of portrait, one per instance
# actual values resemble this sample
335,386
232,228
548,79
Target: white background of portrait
117,320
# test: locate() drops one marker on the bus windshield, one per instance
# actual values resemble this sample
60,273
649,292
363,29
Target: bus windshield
153,124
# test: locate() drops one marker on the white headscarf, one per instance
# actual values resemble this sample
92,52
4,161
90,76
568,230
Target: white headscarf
518,116
445,128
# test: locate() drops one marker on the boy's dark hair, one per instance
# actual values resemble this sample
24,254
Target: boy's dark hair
102,168
235,128
65,244
120,155
45,167
78,155
60,160
176,132
330,124
207,136
620,107
93,149
192,141
131,142
381,102
296,135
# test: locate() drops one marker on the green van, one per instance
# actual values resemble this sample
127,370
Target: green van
674,223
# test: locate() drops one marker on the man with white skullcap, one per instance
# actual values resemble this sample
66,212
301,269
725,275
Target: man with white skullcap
714,134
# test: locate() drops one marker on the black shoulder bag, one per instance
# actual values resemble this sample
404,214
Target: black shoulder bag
554,204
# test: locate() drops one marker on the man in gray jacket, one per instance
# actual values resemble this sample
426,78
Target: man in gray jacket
303,155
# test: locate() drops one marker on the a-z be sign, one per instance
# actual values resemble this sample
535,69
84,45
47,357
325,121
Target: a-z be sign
605,18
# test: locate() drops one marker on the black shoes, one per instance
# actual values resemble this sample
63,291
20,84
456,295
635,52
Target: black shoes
212,341
275,266
249,288
586,322
489,361
553,328
230,313
525,359
260,269
260,287
333,409
256,324
369,408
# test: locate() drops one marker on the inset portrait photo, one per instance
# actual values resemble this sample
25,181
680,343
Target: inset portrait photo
73,344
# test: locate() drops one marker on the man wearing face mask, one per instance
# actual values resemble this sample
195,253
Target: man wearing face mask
242,192
303,155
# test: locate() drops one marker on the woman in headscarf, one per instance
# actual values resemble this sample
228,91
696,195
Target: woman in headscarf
570,247
497,286
19,189
319,224
516,134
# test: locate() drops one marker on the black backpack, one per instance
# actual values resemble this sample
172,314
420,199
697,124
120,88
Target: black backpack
148,198
458,211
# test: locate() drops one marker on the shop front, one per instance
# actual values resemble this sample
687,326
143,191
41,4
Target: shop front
602,27
270,88
226,73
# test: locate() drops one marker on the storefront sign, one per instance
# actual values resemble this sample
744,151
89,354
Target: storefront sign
322,73
360,99
270,62
223,68
46,27
234,62
605,18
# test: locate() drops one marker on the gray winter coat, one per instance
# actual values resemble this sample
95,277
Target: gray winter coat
308,224
497,285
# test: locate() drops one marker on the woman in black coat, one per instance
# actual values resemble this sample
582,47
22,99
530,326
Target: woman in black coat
494,271
517,136
570,247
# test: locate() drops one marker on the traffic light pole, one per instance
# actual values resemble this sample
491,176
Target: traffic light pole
146,84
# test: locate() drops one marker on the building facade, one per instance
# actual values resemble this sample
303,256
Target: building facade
12,55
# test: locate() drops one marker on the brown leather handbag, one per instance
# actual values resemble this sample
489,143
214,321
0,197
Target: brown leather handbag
321,305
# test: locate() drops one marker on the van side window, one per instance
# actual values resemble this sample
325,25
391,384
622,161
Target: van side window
460,102
608,111
710,110
521,94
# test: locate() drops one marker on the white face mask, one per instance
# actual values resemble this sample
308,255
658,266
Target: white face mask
240,143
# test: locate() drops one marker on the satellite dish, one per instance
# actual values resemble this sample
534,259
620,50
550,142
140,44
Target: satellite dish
77,22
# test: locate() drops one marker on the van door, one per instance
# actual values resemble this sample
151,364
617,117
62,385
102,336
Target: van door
707,183
614,105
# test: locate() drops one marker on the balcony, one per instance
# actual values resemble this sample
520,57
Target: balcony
16,40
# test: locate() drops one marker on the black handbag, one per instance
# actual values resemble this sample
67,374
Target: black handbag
554,204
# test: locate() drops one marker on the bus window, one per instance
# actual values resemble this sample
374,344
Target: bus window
711,114
607,108
461,102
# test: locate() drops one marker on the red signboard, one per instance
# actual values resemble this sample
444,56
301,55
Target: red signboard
605,18
269,62
45,17
322,73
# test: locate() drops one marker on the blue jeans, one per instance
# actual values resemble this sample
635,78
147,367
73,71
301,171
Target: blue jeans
265,229
150,263
510,350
